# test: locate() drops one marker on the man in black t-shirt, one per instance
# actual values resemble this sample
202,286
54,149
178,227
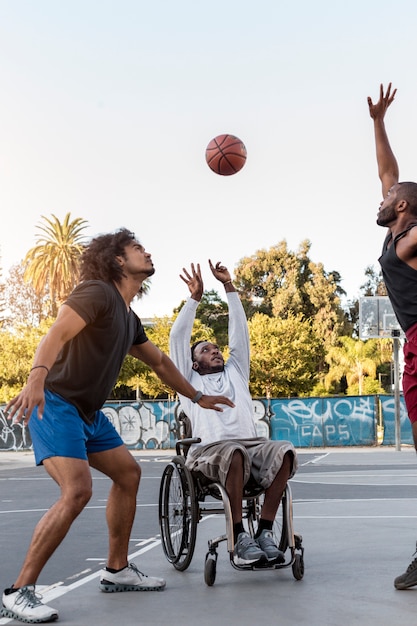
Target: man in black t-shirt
398,212
75,367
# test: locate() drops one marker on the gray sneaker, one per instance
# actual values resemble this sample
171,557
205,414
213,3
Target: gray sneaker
129,579
25,604
409,578
267,543
247,550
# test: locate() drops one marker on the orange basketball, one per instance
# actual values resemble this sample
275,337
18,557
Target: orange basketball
226,155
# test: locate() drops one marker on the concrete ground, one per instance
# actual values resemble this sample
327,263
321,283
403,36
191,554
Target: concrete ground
357,512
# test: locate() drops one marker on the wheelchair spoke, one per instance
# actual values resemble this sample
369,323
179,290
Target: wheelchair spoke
178,514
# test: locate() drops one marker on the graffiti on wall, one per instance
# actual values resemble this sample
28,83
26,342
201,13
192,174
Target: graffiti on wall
321,422
142,424
13,436
389,415
306,422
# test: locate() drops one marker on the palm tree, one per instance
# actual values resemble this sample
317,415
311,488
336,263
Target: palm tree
353,359
52,266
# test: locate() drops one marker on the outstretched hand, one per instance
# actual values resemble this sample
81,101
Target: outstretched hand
379,109
194,281
211,402
220,272
20,408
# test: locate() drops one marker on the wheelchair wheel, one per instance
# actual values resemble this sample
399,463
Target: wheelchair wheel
210,569
298,566
178,514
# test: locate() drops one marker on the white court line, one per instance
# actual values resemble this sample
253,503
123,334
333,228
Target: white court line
86,508
372,478
338,500
58,589
316,460
392,483
351,517
47,477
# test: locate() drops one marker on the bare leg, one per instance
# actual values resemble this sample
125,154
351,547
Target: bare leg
234,486
119,465
274,492
74,479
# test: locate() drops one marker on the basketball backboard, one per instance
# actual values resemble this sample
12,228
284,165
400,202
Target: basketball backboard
377,318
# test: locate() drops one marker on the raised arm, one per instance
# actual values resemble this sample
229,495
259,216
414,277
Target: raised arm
222,274
180,335
238,326
387,163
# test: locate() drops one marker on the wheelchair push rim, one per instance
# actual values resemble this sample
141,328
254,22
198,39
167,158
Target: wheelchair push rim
178,514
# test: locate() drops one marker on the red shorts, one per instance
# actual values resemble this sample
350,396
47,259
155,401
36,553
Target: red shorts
410,373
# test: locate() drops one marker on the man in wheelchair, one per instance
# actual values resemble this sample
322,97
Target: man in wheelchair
230,451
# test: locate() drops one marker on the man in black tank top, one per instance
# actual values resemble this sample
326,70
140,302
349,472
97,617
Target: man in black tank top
398,212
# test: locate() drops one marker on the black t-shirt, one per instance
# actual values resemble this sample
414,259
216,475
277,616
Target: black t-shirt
88,365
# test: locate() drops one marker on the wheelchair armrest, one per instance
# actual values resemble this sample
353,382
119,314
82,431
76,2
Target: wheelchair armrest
184,444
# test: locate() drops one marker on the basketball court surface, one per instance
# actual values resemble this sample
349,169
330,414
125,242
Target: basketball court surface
355,508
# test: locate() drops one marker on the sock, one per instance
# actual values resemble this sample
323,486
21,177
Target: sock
11,590
237,529
115,571
264,524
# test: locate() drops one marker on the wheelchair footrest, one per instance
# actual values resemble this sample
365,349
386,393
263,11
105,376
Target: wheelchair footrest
260,565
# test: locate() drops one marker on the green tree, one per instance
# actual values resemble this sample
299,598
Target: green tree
141,378
280,282
3,305
284,355
374,284
17,350
355,360
52,266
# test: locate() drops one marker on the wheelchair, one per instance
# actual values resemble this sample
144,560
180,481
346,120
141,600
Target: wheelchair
185,497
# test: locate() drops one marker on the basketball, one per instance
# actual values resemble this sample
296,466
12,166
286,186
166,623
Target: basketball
226,155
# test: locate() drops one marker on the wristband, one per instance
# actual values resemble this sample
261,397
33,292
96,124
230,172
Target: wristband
35,367
197,397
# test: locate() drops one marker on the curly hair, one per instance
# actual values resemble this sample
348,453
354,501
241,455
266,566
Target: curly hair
98,260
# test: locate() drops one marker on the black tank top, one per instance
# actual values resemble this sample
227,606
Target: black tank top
401,282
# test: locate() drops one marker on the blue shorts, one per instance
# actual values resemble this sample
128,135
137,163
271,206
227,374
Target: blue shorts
62,432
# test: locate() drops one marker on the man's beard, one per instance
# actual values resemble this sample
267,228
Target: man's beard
215,369
386,216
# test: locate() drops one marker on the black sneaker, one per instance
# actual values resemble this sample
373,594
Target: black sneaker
409,578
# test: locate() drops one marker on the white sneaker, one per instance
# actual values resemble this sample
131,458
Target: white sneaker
129,579
25,605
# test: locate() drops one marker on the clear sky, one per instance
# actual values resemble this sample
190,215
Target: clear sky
107,106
